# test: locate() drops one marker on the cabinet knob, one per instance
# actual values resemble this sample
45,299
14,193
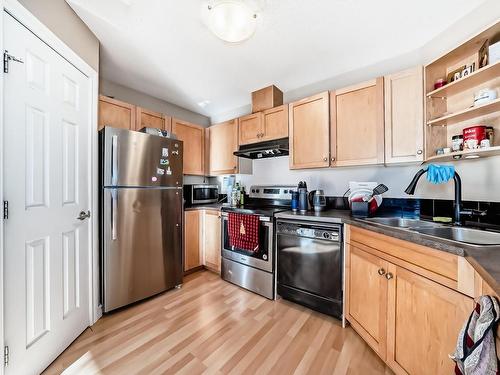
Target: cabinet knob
419,152
325,159
333,158
389,276
381,272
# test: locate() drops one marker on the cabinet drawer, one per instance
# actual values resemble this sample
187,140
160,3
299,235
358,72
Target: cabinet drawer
434,264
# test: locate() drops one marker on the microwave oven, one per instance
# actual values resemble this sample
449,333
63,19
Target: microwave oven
201,194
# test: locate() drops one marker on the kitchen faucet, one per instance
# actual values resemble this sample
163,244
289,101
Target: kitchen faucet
457,206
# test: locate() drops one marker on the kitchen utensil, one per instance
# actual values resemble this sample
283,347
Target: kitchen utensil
317,200
377,190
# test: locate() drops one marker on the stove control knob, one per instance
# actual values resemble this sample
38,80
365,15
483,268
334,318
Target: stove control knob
258,191
326,235
253,190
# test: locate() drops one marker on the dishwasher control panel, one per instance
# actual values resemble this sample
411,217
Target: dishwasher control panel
309,231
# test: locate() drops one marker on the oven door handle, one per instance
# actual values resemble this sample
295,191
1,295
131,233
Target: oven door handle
264,219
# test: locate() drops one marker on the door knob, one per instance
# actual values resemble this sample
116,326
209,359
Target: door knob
83,215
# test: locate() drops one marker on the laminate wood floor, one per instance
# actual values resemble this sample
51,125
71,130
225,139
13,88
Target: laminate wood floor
213,327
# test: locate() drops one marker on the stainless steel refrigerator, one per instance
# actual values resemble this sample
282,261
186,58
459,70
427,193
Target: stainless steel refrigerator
141,215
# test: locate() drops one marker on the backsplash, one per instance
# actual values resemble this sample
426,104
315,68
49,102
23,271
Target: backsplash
429,208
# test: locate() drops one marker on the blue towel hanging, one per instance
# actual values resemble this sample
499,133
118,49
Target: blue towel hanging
439,174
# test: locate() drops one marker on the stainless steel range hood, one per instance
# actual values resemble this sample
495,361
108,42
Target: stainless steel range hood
262,150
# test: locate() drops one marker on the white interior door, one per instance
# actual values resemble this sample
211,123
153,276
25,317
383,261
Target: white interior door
46,176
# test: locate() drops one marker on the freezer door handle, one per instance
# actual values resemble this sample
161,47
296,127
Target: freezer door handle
114,199
114,159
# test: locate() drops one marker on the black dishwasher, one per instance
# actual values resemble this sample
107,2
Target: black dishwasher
309,261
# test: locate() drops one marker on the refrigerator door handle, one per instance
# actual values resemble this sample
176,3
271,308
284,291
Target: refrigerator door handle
113,213
114,159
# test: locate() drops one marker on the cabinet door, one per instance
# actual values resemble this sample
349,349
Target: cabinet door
275,123
366,297
251,128
424,319
192,244
358,123
310,132
212,239
193,137
223,142
150,119
404,116
116,113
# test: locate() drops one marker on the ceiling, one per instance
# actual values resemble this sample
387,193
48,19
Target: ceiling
163,48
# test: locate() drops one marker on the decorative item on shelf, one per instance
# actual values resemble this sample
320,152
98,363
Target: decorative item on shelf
455,75
440,151
457,143
468,70
446,150
494,52
490,133
439,83
473,136
483,55
484,96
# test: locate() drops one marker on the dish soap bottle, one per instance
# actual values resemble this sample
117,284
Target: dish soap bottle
242,195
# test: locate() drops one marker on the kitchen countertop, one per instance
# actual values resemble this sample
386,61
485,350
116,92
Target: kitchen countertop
484,259
211,206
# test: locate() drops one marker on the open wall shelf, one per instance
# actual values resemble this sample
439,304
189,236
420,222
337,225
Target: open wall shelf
450,109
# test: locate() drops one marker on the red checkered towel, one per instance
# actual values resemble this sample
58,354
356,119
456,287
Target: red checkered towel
244,231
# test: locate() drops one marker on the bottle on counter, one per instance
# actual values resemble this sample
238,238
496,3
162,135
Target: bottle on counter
242,195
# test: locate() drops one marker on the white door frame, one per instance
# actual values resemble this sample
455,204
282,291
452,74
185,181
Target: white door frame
14,8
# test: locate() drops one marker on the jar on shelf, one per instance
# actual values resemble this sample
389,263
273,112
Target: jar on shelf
457,143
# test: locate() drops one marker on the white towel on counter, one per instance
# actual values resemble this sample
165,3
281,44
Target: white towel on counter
475,353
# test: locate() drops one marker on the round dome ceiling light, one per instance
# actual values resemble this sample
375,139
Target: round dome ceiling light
233,21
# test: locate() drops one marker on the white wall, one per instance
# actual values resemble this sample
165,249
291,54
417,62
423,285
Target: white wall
129,95
480,178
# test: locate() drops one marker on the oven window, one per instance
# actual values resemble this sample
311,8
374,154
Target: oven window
262,253
201,194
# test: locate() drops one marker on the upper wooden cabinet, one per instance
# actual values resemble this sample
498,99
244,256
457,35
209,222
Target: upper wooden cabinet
193,137
309,127
404,116
116,113
275,123
251,128
358,124
223,141
264,126
151,119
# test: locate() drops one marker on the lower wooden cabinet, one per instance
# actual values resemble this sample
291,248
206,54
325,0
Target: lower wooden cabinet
401,310
202,239
424,319
211,240
367,297
192,235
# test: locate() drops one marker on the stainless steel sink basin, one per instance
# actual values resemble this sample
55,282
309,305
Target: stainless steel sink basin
403,223
464,235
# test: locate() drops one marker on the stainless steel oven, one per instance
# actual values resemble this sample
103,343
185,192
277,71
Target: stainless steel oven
252,271
201,194
309,258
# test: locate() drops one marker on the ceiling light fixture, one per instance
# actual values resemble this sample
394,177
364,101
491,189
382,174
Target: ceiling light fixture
233,21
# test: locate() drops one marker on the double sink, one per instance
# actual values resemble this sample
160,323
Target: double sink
472,237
